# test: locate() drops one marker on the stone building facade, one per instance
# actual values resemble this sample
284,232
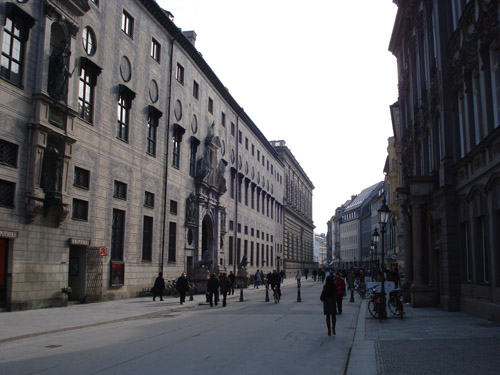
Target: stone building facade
298,226
449,134
122,155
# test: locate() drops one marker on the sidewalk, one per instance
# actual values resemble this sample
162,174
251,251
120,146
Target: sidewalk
22,324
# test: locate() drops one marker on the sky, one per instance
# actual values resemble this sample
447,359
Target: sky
317,74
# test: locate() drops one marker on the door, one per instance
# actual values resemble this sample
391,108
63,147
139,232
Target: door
4,252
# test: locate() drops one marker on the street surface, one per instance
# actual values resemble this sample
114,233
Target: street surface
243,338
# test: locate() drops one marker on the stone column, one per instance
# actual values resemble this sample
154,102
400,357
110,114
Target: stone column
418,245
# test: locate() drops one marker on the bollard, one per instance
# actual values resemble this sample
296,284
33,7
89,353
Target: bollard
191,294
352,295
298,292
267,294
241,294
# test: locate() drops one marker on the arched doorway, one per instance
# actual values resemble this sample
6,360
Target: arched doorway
207,238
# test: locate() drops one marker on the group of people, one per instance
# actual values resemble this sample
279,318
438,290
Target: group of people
260,279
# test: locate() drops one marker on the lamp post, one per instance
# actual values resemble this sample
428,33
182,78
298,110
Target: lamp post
375,237
372,250
383,218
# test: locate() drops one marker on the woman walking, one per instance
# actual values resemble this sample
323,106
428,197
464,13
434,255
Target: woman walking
328,296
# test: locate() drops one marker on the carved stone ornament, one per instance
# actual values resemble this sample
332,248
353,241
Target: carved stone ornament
35,208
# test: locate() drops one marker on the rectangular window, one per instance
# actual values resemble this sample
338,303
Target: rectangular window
127,24
124,105
251,253
238,251
272,256
240,137
231,225
231,249
149,199
231,188
223,119
257,251
172,239
179,74
482,255
80,210
233,129
258,155
120,190
147,238
117,234
196,90
210,106
466,253
86,94
245,248
7,193
152,127
176,150
155,50
192,158
253,149
239,227
173,207
8,153
246,229
246,143
81,178
14,36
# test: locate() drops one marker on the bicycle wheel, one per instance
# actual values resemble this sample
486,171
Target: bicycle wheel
372,309
391,303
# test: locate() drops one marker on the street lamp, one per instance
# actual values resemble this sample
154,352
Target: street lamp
372,251
383,218
375,237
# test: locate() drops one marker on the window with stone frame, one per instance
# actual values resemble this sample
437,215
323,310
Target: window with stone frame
147,238
152,126
81,178
80,210
120,190
127,24
8,153
117,235
155,50
149,199
7,193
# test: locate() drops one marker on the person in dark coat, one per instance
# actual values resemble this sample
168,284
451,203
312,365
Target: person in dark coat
225,286
158,287
182,287
232,278
328,296
340,284
212,289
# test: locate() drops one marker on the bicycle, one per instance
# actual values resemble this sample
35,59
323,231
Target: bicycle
395,303
361,289
276,295
375,304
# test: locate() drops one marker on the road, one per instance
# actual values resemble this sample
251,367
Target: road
242,338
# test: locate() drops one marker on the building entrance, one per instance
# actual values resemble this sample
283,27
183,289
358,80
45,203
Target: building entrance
77,271
207,240
4,253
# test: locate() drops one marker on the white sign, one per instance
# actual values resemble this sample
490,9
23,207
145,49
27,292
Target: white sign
388,285
8,234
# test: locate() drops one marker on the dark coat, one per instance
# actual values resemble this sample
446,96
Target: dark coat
182,284
212,284
159,285
328,296
224,284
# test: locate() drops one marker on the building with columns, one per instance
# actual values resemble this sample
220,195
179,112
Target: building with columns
298,226
448,134
122,155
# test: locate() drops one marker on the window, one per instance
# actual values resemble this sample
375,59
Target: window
153,120
172,238
120,190
179,74
176,145
147,238
16,31
240,137
223,119
127,24
149,199
88,40
96,2
210,106
124,105
192,158
231,225
81,178
231,249
196,90
253,149
233,129
80,210
246,229
86,95
117,234
7,193
155,50
8,153
173,207
246,143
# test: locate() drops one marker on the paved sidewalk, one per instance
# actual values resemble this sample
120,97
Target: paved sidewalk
22,324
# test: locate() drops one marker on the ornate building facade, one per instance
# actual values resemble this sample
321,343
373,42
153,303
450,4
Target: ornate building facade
298,226
122,155
449,137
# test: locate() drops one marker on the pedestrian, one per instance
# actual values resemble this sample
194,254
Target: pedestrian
225,286
158,287
315,274
232,278
298,276
262,279
350,279
340,284
275,281
212,289
306,272
182,287
256,280
282,275
328,296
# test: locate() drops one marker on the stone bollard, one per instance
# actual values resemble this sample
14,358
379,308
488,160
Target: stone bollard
352,294
298,292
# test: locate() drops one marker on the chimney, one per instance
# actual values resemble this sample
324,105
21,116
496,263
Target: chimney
191,35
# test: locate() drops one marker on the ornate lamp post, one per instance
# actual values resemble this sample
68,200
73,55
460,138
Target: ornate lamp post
372,251
375,237
383,218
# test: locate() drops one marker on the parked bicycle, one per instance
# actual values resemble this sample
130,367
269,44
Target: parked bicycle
375,304
395,302
361,289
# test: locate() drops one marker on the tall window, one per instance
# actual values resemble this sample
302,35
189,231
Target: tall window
176,146
482,256
155,50
124,105
192,158
147,238
179,75
7,193
117,234
211,106
466,254
152,126
231,249
127,24
495,85
14,39
120,190
196,90
86,95
172,238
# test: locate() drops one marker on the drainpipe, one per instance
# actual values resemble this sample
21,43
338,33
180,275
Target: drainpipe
167,143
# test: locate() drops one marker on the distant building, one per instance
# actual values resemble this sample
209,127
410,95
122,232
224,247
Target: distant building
298,226
320,256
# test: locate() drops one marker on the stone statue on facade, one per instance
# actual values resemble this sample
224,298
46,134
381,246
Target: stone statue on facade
204,165
191,208
206,260
58,71
221,180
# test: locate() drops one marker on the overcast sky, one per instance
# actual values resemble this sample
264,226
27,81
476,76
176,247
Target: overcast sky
317,74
